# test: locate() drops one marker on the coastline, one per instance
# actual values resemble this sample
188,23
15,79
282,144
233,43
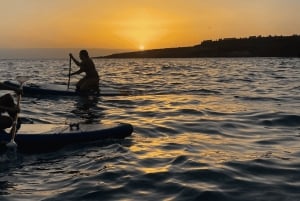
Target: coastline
253,46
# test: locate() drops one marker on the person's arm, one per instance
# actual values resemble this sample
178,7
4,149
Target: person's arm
75,60
77,72
78,64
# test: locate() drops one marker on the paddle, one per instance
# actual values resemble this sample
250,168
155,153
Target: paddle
69,72
12,143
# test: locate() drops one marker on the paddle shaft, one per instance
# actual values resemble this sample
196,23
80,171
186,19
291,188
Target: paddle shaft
15,122
70,61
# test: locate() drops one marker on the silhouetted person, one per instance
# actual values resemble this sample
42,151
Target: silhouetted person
8,105
91,79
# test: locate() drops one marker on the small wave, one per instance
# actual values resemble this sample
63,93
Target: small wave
204,92
257,98
283,120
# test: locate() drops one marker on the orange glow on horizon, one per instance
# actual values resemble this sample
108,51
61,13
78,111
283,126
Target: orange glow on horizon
132,24
140,28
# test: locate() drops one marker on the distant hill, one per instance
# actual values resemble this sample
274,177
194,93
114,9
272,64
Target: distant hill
253,46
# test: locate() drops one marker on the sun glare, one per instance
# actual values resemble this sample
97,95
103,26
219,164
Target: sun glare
141,47
145,28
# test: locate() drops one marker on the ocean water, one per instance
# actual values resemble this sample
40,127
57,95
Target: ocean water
212,129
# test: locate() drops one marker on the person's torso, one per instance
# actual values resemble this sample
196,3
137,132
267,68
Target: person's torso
89,69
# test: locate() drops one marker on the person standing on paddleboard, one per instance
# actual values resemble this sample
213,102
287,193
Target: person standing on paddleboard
8,105
91,79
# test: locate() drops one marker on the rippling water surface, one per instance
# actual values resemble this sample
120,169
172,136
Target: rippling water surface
204,129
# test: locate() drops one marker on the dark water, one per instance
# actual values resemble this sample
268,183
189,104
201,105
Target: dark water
205,129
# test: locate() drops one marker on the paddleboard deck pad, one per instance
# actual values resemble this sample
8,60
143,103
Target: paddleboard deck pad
62,90
51,136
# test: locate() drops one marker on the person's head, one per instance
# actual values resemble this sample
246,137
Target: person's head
83,54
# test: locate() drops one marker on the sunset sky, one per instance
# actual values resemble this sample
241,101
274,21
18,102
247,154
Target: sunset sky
138,24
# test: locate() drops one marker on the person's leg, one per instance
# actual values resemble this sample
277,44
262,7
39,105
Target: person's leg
79,84
90,84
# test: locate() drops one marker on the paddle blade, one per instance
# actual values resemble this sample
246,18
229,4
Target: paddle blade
12,144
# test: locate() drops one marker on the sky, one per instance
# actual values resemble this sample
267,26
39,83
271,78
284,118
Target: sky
140,24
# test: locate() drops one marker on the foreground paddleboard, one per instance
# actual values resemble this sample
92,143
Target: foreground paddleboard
62,90
51,136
